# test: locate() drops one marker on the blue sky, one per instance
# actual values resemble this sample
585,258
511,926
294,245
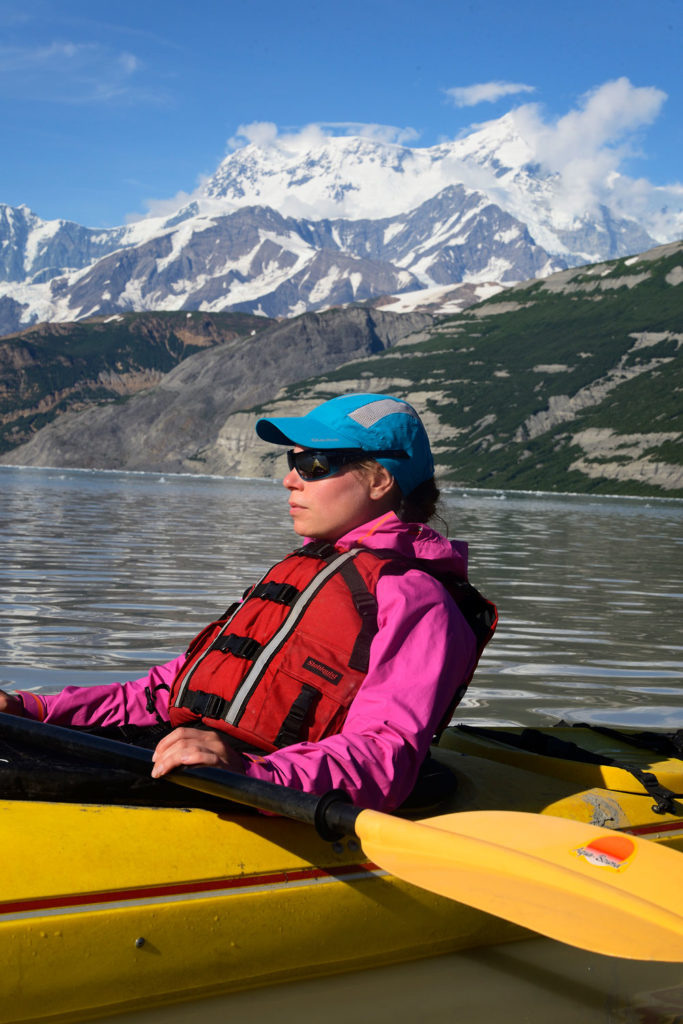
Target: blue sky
107,107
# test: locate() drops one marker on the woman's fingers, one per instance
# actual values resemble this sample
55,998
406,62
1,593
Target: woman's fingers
187,746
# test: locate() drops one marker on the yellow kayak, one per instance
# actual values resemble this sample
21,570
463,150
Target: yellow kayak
109,907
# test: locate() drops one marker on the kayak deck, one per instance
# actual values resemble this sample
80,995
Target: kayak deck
588,756
602,794
151,926
106,908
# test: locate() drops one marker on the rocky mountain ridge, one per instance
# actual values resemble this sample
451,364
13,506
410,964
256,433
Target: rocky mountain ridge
50,368
280,231
173,424
568,383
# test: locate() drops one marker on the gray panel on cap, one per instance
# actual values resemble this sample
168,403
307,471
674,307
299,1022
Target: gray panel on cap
372,413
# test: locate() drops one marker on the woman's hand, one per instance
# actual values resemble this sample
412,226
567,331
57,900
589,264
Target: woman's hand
11,705
186,746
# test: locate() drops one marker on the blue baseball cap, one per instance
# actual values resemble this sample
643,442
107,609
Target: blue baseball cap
369,422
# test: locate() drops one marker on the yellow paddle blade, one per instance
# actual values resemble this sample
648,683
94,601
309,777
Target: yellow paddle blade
590,887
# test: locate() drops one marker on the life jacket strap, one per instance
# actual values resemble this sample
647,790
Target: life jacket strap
279,593
292,725
207,705
365,604
240,646
150,701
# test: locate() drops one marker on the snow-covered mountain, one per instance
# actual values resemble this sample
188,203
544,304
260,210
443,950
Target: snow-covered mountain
359,178
292,225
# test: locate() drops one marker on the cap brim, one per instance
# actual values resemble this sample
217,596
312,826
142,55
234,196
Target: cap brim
304,431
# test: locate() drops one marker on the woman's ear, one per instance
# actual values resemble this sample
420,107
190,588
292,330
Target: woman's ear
381,483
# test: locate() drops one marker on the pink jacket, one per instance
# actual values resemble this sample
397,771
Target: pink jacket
422,650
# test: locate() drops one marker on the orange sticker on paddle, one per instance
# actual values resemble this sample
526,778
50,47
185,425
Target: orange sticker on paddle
608,851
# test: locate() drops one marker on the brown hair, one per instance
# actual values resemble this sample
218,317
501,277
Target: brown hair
419,506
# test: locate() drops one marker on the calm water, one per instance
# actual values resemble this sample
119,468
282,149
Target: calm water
104,574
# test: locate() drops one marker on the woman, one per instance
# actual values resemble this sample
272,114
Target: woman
341,664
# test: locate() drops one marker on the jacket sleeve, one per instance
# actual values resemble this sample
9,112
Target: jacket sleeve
139,702
423,651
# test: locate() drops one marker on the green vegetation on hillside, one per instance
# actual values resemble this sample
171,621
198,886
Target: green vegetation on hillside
569,383
513,381
52,368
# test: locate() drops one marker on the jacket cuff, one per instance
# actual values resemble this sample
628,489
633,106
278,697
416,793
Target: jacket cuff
33,706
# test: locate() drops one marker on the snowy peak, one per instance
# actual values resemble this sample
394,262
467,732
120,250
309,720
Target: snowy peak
336,176
497,145
290,223
363,178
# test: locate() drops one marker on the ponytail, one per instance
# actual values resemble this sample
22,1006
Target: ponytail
421,504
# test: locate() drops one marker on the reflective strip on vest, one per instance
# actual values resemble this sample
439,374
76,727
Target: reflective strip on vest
252,677
268,707
186,681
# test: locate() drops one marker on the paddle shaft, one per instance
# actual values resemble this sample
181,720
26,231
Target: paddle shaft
332,814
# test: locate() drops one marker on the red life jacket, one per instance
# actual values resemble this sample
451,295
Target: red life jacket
284,665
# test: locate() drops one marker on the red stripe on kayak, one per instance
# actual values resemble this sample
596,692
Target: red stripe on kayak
666,826
184,888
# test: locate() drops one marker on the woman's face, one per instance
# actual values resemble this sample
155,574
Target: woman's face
328,508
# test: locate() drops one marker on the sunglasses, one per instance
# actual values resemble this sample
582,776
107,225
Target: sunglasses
314,464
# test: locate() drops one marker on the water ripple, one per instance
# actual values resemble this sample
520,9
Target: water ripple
104,574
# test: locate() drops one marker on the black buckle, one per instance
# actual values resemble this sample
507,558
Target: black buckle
240,646
279,593
206,705
318,549
366,603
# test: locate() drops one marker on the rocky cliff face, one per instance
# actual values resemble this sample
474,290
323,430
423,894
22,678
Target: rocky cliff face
572,383
54,367
35,250
175,426
569,383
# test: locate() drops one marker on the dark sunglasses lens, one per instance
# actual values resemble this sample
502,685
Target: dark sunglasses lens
309,465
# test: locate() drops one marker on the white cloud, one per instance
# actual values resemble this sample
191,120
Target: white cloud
169,207
582,150
606,115
259,133
164,207
24,60
485,92
379,132
129,62
588,145
265,134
